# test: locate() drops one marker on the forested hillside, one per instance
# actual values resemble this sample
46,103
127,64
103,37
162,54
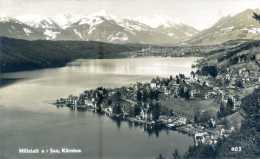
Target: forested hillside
18,55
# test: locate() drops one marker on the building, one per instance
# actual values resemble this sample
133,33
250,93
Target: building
200,138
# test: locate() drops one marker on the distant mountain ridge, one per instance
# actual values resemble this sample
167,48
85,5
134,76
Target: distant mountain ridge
101,26
97,27
239,26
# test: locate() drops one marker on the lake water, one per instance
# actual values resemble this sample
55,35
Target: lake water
28,120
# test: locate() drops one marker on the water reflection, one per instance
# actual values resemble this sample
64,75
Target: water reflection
135,66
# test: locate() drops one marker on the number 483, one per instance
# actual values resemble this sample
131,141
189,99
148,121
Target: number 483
236,149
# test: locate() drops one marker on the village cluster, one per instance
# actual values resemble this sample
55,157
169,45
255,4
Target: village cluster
140,103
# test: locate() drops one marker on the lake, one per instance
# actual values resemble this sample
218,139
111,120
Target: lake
28,120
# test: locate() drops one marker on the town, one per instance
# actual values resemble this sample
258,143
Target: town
205,104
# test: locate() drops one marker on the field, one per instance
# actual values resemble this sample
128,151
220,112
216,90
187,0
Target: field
190,107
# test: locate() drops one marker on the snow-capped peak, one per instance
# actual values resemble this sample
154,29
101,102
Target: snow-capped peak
47,23
29,19
132,25
65,20
4,18
96,18
91,20
158,20
37,21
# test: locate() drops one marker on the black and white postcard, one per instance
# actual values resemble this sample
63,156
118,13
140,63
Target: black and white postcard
129,79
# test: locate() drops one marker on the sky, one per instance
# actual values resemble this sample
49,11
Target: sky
199,13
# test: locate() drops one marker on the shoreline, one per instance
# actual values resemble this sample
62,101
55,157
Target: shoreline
82,59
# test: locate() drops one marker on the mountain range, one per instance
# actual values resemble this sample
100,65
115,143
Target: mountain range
95,27
104,27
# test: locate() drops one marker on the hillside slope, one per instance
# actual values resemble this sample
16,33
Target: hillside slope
235,55
16,55
239,26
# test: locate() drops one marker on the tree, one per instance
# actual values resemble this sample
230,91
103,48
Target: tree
117,97
251,103
99,101
117,109
177,79
187,94
137,110
139,96
154,94
256,16
156,109
221,112
192,74
181,91
145,95
171,78
210,70
230,105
